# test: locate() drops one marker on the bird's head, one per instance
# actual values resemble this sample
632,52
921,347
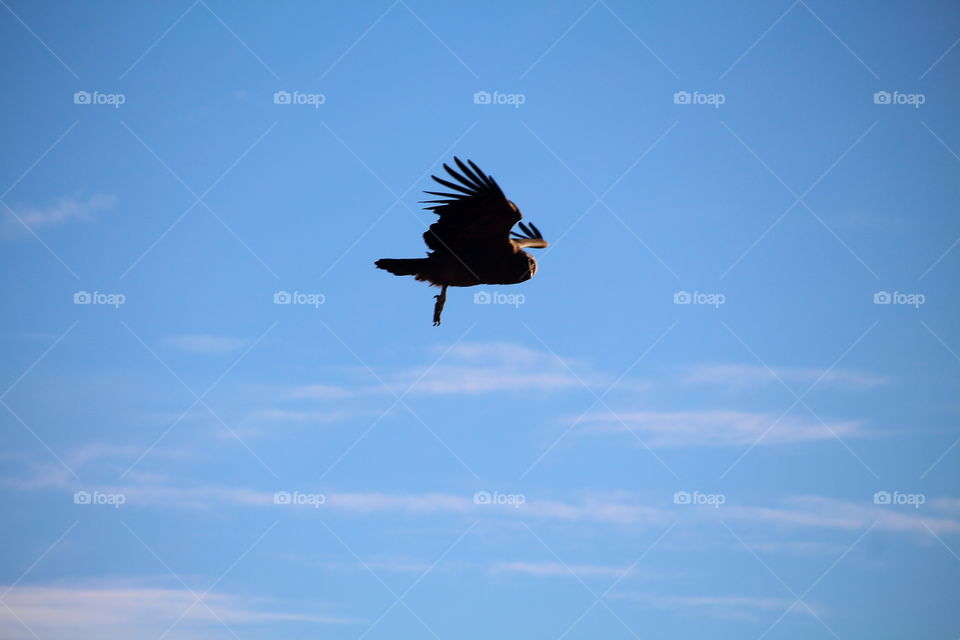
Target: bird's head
531,238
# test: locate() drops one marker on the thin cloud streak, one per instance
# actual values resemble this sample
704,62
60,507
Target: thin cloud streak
61,212
719,428
939,513
556,569
79,612
207,344
748,375
734,606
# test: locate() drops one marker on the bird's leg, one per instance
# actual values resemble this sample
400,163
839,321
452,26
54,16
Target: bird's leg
438,307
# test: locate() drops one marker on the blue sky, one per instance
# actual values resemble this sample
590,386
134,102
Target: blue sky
725,406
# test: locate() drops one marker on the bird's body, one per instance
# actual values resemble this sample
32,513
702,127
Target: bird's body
466,269
470,243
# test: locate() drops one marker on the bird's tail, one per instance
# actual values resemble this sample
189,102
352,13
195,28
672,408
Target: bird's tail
401,266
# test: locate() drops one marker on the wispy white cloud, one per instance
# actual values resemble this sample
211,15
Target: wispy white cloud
798,547
120,612
290,415
207,344
556,569
798,512
948,505
801,511
267,422
150,490
468,368
388,565
475,368
719,427
824,512
38,476
105,453
940,514
320,391
589,509
722,606
749,375
60,212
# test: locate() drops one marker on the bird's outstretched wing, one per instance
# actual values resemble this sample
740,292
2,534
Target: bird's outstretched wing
475,215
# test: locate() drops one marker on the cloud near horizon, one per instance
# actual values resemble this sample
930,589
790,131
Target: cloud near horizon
118,612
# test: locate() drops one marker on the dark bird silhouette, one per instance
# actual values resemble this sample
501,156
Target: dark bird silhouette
470,243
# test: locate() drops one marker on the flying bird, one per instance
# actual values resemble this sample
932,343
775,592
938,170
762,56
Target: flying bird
471,242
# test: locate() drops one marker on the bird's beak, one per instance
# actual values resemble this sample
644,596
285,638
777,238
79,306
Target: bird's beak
533,238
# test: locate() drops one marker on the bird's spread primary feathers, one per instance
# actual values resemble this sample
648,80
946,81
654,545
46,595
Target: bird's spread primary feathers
470,242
